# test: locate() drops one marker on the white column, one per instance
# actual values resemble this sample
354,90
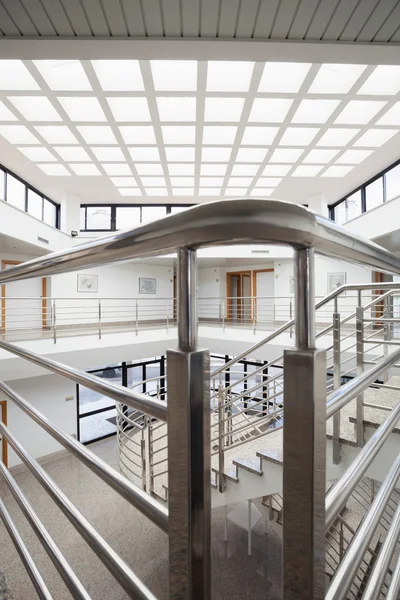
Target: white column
70,213
318,203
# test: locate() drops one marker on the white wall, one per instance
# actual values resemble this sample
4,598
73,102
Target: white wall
380,221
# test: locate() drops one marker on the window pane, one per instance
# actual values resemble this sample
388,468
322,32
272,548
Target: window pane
353,206
152,213
35,204
49,213
127,217
15,192
393,183
178,209
2,182
374,193
98,217
82,218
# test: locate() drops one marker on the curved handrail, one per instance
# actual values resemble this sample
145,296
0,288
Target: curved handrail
227,222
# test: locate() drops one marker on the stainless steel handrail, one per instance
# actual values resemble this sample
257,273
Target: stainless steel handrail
393,592
232,222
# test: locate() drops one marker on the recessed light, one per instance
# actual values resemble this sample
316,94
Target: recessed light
286,155
375,138
56,134
18,134
117,168
259,136
176,109
97,134
38,154
188,191
82,108
63,75
320,157
219,134
218,169
157,191
153,181
315,111
149,169
88,169
298,136
6,114
283,77
392,116
209,191
240,182
336,171
119,75
129,109
138,134
216,154
262,192
270,110
35,108
245,169
335,79
174,75
145,154
268,181
306,171
72,153
211,181
251,155
359,112
229,76
353,157
108,153
337,137
181,169
124,181
130,191
176,154
182,181
179,134
276,170
54,169
384,81
223,109
231,191
15,76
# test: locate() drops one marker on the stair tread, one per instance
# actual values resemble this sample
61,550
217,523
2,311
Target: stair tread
274,456
228,474
253,466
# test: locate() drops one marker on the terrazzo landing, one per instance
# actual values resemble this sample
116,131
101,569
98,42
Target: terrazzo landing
235,576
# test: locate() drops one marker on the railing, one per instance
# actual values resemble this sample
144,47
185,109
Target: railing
187,518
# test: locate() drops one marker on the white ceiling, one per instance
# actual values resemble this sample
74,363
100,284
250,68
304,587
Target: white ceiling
127,130
327,20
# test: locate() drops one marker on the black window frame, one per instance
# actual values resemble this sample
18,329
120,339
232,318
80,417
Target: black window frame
113,207
28,186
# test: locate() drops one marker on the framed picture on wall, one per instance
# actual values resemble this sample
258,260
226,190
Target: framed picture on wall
88,283
335,280
147,285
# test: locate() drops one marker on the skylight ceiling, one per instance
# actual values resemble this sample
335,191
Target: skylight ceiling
183,128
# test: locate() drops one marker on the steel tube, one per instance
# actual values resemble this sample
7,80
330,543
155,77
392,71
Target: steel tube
338,495
344,577
148,506
393,592
119,569
304,298
27,560
146,404
70,579
336,384
187,299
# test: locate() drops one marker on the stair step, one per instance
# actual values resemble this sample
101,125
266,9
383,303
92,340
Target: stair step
271,455
253,466
231,474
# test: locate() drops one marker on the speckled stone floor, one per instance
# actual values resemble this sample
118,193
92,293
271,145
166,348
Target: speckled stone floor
235,576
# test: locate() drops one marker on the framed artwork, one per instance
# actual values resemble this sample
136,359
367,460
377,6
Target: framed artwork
88,283
291,284
147,285
335,280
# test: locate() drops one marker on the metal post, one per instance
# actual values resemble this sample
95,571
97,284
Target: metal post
291,315
137,316
254,302
249,527
189,461
336,384
304,448
386,335
223,317
99,319
360,368
221,441
167,318
54,322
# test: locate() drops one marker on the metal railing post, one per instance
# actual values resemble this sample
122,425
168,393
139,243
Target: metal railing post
304,440
189,460
360,369
221,440
254,302
167,318
336,383
99,319
291,315
386,335
223,317
137,316
54,322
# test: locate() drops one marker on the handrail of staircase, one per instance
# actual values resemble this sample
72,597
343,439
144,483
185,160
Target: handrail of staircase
390,286
228,222
393,592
